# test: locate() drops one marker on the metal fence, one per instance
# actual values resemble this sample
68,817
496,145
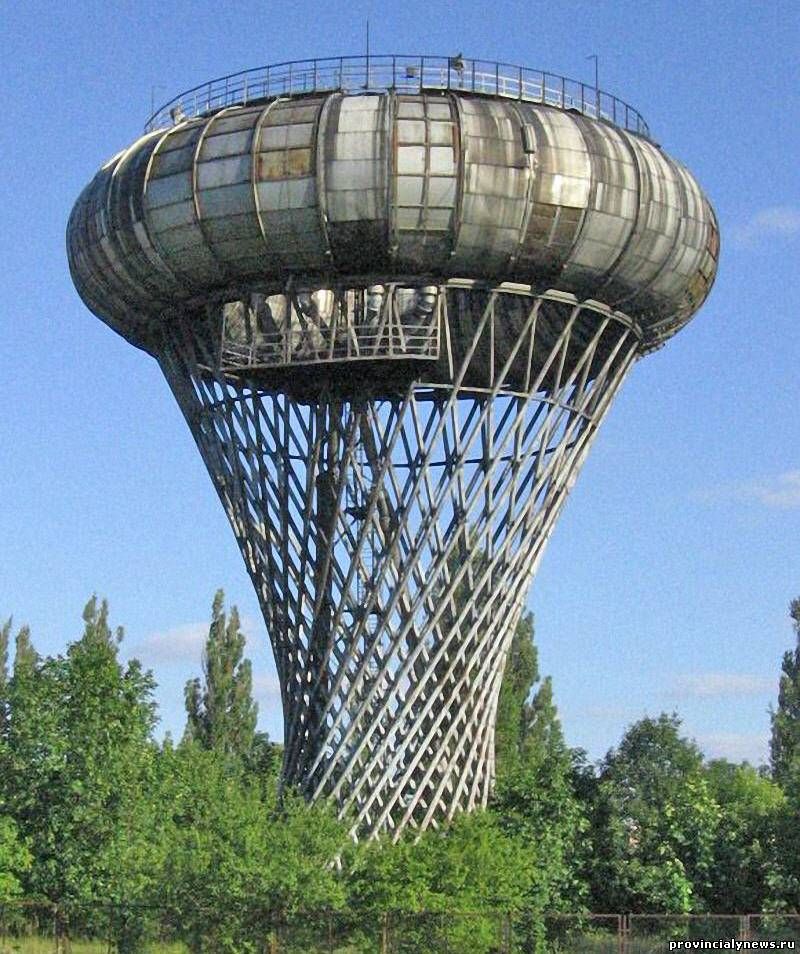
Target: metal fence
35,928
403,74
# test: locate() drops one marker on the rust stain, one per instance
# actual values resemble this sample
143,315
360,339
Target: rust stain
284,164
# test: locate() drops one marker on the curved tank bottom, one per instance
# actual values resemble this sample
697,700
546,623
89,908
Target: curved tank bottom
430,186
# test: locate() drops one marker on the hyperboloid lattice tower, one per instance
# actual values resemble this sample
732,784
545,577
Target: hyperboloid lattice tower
394,298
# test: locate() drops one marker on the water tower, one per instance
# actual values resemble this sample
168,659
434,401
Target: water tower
394,298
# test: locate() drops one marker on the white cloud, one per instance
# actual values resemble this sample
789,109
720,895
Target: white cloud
781,491
708,685
184,643
774,221
734,746
176,645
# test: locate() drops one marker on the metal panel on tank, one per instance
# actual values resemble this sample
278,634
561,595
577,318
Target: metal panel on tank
559,193
127,228
100,252
611,210
657,231
224,192
424,186
356,188
287,187
494,187
170,212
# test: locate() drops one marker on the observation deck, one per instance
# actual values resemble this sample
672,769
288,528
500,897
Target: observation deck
400,74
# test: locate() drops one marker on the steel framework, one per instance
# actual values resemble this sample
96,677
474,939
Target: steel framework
392,526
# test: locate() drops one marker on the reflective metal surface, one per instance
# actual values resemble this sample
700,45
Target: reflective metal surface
391,186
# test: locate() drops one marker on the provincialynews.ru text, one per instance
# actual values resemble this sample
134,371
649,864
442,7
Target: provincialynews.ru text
730,944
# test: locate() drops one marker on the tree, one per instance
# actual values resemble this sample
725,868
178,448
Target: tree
5,635
784,878
235,856
653,823
528,728
75,765
221,713
471,866
744,849
534,799
26,659
15,860
785,741
520,676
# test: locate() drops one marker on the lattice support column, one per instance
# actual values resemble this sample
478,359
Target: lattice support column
392,537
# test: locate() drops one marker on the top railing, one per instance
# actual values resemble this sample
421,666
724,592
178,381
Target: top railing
404,74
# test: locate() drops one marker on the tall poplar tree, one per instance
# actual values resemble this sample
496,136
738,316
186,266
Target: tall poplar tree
785,742
534,798
221,712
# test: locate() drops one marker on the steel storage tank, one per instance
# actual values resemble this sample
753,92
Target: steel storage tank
342,266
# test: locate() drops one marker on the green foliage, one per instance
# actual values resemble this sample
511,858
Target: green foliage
534,798
234,854
76,763
26,658
93,810
784,877
5,633
221,713
15,860
471,867
654,823
785,741
744,847
520,676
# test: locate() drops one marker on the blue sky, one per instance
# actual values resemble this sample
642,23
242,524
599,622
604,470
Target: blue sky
666,583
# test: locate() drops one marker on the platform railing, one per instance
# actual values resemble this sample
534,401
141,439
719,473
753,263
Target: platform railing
403,74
